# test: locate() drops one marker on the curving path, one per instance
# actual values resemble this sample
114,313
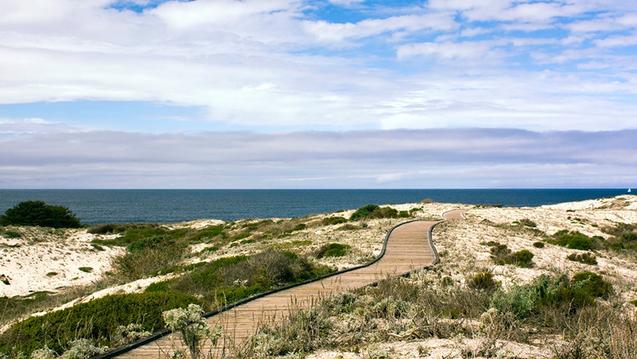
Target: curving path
408,247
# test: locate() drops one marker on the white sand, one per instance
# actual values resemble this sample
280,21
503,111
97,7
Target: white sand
46,260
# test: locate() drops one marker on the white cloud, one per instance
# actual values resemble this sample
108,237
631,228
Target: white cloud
338,32
218,12
618,41
446,50
346,2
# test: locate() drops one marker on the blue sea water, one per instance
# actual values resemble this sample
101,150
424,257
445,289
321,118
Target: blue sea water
124,206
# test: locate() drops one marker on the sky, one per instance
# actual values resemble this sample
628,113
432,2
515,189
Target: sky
318,93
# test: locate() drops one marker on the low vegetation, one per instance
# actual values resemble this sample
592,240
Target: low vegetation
501,255
328,221
624,237
399,309
482,280
575,240
585,258
372,211
96,320
526,223
228,280
333,250
153,249
38,213
10,234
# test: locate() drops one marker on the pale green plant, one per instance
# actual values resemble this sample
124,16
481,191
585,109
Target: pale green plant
192,326
83,349
44,353
125,334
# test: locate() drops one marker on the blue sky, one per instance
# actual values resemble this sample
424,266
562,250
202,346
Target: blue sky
149,68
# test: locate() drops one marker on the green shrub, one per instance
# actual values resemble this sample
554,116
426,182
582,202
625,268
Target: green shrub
11,234
328,221
522,258
372,211
38,213
624,237
575,240
483,280
538,244
587,286
552,293
97,320
502,255
585,258
333,250
519,300
86,269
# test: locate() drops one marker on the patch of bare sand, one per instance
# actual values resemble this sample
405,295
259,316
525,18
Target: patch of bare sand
50,260
442,348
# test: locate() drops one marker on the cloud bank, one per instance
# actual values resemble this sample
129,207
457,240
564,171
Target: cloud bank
47,156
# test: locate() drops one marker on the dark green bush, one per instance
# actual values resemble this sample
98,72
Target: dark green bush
501,255
483,280
587,286
575,240
333,250
585,258
107,229
11,234
538,244
523,258
38,213
96,320
372,211
328,221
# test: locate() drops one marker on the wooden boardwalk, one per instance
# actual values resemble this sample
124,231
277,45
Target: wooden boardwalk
408,248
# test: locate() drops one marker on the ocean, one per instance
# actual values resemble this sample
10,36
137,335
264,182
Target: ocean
126,206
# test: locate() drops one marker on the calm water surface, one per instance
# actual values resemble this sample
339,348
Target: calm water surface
122,206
